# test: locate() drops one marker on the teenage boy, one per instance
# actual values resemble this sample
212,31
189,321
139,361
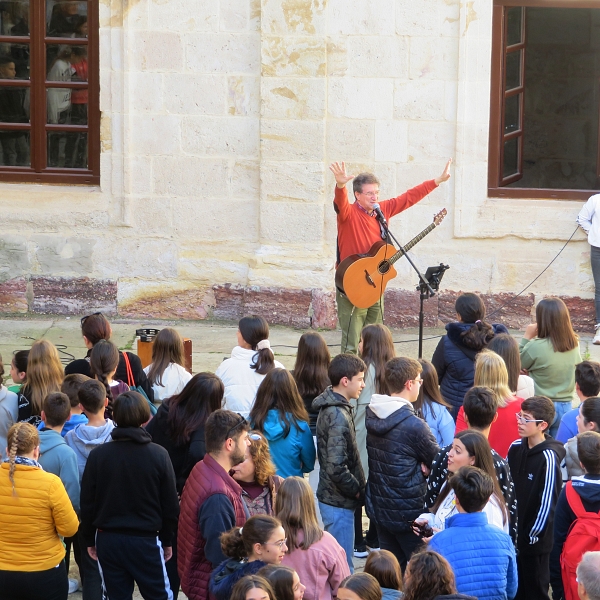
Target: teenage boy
341,478
587,385
480,409
211,502
398,444
83,439
70,387
55,456
588,490
87,436
534,462
481,555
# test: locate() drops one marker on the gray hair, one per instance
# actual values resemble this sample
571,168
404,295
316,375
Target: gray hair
588,574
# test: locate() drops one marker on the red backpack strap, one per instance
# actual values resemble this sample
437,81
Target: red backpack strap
574,500
130,380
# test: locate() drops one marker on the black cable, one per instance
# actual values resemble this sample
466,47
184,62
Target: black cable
489,315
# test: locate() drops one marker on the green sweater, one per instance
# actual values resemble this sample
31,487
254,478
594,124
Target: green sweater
553,372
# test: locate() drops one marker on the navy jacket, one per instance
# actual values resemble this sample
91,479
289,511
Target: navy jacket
397,445
482,557
455,363
228,573
588,488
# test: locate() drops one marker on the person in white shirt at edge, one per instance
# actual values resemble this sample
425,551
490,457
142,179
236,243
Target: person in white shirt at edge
167,374
470,447
250,361
589,220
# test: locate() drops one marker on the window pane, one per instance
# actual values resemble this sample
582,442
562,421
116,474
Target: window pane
67,150
66,106
514,26
66,18
14,18
66,63
14,104
14,61
513,70
511,115
14,149
511,157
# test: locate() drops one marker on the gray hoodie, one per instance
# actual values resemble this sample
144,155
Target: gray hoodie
9,410
84,438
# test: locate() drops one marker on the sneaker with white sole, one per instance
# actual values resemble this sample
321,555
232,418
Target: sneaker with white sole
73,586
596,340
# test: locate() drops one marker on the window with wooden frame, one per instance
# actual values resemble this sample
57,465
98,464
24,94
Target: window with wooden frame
49,91
545,99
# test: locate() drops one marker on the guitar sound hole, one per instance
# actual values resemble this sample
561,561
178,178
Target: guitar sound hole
384,267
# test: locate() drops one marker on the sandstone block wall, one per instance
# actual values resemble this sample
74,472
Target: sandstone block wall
219,118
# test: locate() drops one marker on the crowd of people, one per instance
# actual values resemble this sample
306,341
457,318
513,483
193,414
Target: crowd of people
251,483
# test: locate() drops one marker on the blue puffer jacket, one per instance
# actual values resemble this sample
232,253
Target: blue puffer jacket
481,556
397,443
228,573
455,364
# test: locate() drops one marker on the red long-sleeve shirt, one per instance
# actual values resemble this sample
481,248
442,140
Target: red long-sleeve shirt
357,231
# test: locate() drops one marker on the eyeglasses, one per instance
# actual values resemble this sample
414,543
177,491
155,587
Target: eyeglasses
232,429
84,319
370,194
522,419
280,544
419,381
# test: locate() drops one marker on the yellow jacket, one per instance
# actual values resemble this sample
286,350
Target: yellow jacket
32,520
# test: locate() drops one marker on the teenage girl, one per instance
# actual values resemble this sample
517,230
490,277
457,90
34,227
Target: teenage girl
103,365
279,414
285,582
260,542
549,352
250,361
18,370
167,373
376,347
432,408
44,375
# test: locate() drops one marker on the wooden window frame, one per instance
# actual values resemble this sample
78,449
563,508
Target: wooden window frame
497,94
38,127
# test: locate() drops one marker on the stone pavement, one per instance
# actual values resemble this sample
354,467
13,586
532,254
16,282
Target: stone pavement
212,342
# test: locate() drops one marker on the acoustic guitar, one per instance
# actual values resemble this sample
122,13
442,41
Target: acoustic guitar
363,277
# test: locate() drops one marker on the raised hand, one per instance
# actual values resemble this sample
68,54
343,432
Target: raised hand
445,175
339,172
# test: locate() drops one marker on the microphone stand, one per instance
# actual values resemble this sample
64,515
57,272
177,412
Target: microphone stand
424,286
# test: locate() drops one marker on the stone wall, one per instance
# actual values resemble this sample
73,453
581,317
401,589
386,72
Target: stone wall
219,118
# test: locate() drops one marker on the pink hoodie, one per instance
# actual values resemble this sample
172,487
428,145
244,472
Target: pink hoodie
321,568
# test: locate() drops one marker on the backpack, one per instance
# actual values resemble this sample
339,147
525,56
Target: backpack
583,536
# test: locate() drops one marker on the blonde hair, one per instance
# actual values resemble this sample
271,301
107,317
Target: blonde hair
491,372
45,374
22,438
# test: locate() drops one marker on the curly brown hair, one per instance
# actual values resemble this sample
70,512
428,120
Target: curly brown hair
261,457
428,575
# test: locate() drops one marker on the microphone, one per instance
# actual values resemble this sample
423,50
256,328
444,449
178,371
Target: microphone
379,214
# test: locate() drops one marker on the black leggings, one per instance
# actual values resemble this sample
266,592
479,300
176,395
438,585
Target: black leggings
37,585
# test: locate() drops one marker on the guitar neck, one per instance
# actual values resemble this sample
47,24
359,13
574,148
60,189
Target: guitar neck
412,243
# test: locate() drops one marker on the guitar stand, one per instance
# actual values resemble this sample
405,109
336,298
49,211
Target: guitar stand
428,283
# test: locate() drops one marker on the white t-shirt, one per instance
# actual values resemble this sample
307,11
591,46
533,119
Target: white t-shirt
173,380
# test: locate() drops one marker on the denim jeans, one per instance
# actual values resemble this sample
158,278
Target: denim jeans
595,259
339,522
561,408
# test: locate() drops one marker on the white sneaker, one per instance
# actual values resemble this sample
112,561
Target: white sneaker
596,340
73,586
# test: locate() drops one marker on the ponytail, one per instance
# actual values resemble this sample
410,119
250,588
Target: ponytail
104,360
478,336
255,331
238,543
